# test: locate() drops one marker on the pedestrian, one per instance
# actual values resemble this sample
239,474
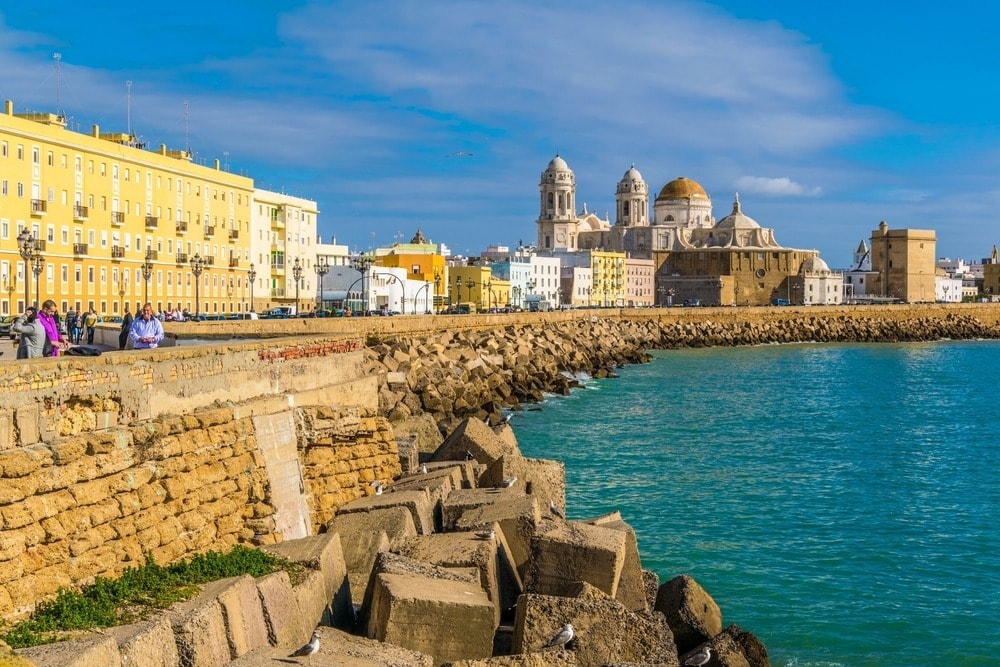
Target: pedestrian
47,316
76,333
90,321
32,332
71,319
147,331
126,326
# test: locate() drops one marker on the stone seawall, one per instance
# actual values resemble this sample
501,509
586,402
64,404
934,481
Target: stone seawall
442,378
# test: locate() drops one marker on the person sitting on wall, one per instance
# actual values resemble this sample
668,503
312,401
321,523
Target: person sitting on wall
32,332
147,331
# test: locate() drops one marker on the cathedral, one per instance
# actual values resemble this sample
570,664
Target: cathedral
698,259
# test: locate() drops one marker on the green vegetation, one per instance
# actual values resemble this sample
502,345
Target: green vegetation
136,593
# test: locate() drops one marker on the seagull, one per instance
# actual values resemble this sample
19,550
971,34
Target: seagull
469,455
561,638
508,482
423,469
378,487
555,510
487,534
508,418
309,648
700,658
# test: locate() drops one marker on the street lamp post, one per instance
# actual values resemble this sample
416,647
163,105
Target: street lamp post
297,277
147,273
470,283
361,264
122,284
437,288
251,276
322,268
197,266
10,285
37,266
26,246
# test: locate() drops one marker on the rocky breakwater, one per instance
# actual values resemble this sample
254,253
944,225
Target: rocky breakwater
470,561
429,383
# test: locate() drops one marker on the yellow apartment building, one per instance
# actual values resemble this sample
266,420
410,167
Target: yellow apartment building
98,220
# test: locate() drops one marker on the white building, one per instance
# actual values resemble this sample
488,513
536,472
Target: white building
282,230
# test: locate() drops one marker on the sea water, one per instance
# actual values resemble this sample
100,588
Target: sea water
839,501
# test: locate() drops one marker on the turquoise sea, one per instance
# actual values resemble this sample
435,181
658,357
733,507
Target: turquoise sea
840,501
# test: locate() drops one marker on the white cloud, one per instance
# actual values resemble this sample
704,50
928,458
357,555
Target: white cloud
781,186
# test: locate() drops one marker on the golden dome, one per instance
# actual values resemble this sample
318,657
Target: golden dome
682,187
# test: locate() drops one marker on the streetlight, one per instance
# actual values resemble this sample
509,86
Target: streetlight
37,266
251,276
26,245
297,276
425,288
122,284
402,288
470,283
147,273
361,263
197,266
10,285
437,288
322,268
491,298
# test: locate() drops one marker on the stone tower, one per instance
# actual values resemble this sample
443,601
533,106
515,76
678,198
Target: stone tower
632,200
557,221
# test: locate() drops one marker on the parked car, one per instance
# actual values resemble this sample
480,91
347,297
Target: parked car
5,323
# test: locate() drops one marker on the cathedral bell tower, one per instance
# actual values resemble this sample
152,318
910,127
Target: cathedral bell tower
632,200
557,221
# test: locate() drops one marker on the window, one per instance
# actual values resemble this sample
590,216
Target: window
3,187
3,148
20,189
51,159
20,152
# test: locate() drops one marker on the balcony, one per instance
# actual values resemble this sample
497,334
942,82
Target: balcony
40,245
182,258
80,212
209,230
234,234
182,227
153,255
80,249
118,217
209,260
117,252
234,262
152,221
39,207
277,292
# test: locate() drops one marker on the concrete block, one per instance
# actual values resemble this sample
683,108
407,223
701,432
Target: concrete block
437,484
395,521
519,518
339,648
285,624
474,437
489,557
605,632
200,632
245,624
631,586
692,614
324,554
146,644
546,479
546,659
734,644
418,503
310,596
572,552
88,651
447,619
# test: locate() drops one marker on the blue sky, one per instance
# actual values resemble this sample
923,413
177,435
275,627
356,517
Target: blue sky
825,117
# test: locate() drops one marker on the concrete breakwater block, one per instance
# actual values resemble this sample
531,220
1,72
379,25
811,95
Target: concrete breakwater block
631,583
472,437
338,649
323,554
200,632
89,651
146,644
572,552
418,502
517,515
285,622
363,535
604,630
447,619
546,659
692,614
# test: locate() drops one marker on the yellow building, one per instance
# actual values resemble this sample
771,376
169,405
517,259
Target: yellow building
111,222
903,263
477,288
423,264
607,270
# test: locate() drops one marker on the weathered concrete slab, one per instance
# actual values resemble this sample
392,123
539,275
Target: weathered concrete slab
631,586
89,651
605,632
418,503
245,625
200,632
692,614
324,554
474,437
572,552
146,644
285,623
338,649
437,485
546,659
449,620
518,515
311,598
467,549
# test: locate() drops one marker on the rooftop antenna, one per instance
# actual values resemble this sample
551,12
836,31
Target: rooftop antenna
128,106
187,142
57,57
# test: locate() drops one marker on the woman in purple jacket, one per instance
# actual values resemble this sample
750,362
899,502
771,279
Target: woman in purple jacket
47,316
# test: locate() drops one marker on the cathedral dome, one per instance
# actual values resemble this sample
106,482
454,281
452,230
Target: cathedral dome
815,265
737,220
557,164
632,181
682,187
